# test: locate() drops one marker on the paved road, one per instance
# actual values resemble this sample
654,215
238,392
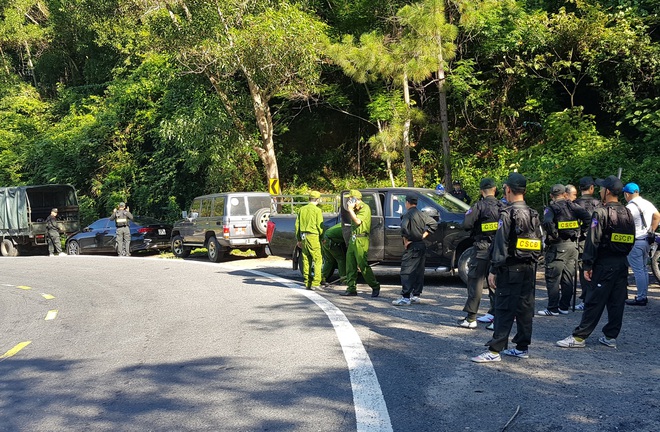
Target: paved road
149,344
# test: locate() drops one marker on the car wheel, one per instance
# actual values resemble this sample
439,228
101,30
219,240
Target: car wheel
73,248
655,264
215,252
261,251
178,249
7,248
464,264
260,222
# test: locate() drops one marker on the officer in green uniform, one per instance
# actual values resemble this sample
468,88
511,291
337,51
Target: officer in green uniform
358,246
309,227
333,248
122,216
53,234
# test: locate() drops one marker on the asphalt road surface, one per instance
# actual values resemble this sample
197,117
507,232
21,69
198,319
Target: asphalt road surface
128,344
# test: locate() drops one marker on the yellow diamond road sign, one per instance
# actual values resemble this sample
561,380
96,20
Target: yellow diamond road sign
274,186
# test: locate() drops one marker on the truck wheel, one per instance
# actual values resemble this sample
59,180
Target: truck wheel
260,222
655,264
73,248
464,264
215,251
178,249
7,248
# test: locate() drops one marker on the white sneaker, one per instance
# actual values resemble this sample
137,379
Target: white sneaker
580,306
467,324
51,254
62,254
491,326
513,352
546,312
401,302
563,312
571,342
488,318
487,357
415,300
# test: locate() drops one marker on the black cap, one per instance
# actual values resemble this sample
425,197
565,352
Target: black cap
611,183
456,182
585,182
54,210
557,189
516,180
487,183
412,199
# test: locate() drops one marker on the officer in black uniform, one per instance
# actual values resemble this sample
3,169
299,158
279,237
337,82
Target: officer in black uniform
459,193
609,241
590,203
122,216
415,227
53,234
516,249
563,221
481,219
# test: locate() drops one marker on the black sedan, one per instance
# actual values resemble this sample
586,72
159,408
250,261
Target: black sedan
100,237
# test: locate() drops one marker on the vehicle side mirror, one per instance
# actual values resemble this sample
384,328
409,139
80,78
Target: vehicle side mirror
87,229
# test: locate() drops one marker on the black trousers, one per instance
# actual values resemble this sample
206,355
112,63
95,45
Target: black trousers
560,268
608,289
514,299
477,274
413,263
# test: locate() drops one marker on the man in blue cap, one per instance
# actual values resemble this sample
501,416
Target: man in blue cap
646,218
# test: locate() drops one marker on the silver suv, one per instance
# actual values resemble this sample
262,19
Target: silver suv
222,222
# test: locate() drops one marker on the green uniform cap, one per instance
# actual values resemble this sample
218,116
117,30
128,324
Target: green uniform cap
315,194
355,194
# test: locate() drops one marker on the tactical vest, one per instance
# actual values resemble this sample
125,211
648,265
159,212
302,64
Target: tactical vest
486,226
619,232
589,204
566,223
526,239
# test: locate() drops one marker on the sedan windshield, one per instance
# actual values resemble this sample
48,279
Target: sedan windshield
447,201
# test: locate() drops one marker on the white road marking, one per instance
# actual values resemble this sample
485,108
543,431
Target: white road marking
370,409
51,315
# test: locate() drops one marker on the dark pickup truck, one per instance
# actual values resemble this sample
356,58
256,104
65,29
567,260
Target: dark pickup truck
444,248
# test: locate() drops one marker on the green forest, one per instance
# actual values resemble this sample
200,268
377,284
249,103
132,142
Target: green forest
154,102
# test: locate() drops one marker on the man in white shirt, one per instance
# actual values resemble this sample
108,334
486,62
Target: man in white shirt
646,218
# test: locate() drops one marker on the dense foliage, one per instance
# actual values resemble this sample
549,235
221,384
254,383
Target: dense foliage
156,102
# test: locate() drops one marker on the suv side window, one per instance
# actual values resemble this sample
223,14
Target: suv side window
237,206
219,206
257,202
195,207
398,205
206,208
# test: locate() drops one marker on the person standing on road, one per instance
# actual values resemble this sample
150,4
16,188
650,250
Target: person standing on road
609,241
563,222
333,248
646,218
122,217
415,227
588,202
53,234
309,228
358,246
459,193
481,219
516,249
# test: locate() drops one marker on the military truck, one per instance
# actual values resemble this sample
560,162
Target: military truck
447,249
23,213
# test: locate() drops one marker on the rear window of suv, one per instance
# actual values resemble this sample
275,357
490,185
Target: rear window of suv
258,202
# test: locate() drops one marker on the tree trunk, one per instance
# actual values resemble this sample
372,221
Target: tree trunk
444,122
388,159
265,124
406,133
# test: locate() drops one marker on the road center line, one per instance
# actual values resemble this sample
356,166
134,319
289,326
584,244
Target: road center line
14,350
370,409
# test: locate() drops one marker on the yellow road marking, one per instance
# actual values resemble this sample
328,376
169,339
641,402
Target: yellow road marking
47,296
51,314
15,350
23,287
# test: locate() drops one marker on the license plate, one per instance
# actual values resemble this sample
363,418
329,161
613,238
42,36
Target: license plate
161,231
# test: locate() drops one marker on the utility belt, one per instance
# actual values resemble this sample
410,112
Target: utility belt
354,236
307,233
121,226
